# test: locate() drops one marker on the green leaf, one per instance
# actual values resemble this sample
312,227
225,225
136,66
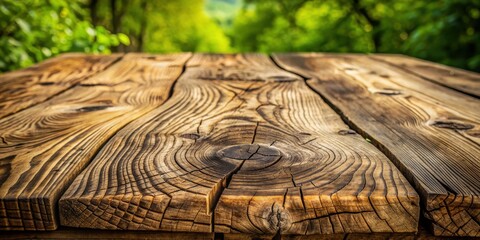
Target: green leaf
46,52
123,38
23,25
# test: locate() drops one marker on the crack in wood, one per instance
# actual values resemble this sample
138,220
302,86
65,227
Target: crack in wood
254,133
225,182
46,83
92,108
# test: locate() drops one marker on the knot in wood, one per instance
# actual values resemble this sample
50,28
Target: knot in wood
252,156
92,108
250,152
456,125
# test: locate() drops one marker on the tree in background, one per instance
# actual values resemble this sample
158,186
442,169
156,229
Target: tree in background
33,30
446,31
161,26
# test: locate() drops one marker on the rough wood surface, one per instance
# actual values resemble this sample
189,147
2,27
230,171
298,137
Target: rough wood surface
241,146
458,79
429,131
45,146
22,89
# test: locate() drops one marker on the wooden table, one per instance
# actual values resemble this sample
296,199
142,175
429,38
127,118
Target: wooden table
288,144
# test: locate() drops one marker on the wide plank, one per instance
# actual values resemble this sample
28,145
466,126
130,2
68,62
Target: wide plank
458,79
44,147
24,88
241,147
429,131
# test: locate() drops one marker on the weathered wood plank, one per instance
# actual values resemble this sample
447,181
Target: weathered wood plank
458,79
429,131
44,147
241,146
24,88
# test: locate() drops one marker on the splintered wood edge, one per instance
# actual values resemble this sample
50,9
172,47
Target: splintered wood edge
290,213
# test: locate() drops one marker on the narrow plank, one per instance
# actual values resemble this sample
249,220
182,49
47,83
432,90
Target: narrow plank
458,79
429,131
24,88
241,147
45,146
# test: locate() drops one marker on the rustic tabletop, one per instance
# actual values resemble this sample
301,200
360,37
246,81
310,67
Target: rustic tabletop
288,144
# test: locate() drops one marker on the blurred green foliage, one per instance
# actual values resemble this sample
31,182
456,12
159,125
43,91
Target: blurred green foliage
445,31
32,30
163,26
223,12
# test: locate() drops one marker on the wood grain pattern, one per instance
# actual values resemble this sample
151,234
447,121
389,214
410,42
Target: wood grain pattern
458,79
241,146
22,89
429,131
44,147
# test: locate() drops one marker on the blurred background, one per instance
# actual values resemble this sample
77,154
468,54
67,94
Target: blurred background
444,31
